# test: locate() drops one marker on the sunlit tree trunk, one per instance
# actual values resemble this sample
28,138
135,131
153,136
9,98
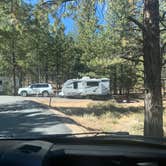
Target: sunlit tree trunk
153,122
115,80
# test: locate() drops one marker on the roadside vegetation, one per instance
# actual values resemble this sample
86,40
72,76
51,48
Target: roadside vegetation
109,116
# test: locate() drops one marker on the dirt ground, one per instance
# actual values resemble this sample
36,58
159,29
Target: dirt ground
82,103
91,115
65,102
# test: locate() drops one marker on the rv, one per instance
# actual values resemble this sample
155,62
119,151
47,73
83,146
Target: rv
85,87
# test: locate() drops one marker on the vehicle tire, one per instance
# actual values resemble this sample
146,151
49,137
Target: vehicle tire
45,94
24,93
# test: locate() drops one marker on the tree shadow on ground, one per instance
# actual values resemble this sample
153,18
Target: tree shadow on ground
21,105
30,119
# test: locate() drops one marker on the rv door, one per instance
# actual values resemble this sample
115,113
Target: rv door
77,88
1,88
73,88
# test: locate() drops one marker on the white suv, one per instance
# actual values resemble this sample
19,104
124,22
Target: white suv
43,89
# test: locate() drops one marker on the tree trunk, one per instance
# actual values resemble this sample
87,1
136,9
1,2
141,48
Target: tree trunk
110,84
46,72
128,95
115,80
153,122
121,82
13,67
13,55
21,79
14,78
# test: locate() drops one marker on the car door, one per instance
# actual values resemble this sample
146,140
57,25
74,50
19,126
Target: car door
34,89
45,87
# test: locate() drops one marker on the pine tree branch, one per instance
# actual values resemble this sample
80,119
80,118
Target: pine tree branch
164,62
5,34
53,2
140,25
162,21
163,48
162,30
142,77
132,59
163,16
164,25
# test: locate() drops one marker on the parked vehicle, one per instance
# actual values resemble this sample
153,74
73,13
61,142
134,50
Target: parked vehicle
85,86
43,89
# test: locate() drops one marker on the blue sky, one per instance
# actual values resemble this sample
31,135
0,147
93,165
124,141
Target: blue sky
69,22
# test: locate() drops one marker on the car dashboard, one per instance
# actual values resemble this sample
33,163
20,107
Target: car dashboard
80,152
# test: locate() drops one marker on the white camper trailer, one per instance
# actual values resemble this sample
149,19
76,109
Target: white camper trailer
85,86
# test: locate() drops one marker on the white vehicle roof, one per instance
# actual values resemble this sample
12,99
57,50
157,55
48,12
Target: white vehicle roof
105,79
85,79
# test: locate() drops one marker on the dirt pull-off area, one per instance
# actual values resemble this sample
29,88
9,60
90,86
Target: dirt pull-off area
91,115
64,102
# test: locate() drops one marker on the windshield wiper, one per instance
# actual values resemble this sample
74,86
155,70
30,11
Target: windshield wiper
67,135
98,133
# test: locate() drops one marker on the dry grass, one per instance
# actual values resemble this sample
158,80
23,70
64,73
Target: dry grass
109,116
103,115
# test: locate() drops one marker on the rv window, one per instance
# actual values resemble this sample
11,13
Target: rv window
69,85
92,83
75,85
0,82
105,81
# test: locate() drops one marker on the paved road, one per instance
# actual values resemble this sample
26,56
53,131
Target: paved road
20,117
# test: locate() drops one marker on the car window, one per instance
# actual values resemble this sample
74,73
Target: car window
38,86
44,85
34,86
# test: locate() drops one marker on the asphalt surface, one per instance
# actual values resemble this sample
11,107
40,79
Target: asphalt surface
21,117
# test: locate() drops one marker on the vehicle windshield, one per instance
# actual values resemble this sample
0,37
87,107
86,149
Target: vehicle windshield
82,66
